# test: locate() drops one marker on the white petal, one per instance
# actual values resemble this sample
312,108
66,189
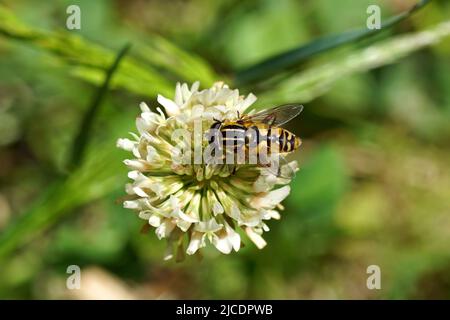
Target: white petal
185,217
132,204
270,214
152,154
144,126
150,117
185,92
144,107
197,111
164,229
172,109
157,189
129,188
195,243
134,174
174,202
233,237
251,98
136,152
135,164
271,199
279,195
235,212
125,144
217,208
183,225
256,238
221,109
208,226
250,220
222,244
145,215
195,86
140,192
265,182
178,95
155,220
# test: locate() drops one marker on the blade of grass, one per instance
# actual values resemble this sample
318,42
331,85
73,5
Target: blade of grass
146,74
87,60
295,56
164,54
316,81
85,130
88,180
101,172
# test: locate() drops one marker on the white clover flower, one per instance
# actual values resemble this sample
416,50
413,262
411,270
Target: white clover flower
191,205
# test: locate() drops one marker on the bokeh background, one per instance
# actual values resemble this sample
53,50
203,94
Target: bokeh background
374,183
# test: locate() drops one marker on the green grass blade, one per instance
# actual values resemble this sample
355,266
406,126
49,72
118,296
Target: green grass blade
295,56
101,172
185,65
87,60
85,130
316,81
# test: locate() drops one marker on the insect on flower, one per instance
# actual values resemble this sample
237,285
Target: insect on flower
259,135
193,203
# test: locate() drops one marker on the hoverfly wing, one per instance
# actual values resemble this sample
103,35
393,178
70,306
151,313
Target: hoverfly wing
281,168
276,116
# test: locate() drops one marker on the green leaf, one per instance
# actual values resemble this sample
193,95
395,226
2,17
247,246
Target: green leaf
295,56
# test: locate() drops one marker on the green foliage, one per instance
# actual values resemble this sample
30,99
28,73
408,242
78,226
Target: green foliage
315,81
89,60
83,136
295,56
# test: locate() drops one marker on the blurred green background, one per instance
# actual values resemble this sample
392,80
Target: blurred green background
374,180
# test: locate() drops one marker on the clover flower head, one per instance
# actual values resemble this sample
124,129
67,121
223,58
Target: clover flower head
191,205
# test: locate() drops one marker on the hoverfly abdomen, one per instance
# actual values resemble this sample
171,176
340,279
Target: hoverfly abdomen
288,141
281,140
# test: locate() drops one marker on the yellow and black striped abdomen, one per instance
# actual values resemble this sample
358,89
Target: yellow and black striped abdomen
285,140
250,135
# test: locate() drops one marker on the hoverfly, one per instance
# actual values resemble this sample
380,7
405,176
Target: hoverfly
260,130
